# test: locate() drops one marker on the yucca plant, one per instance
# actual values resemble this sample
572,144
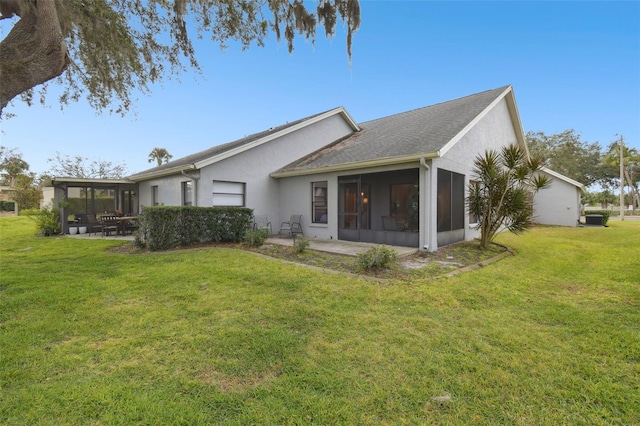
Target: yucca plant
501,196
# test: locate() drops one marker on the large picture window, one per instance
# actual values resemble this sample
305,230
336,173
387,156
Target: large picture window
319,202
228,194
450,201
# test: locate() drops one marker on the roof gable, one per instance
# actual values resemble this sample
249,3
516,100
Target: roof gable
562,177
426,132
220,152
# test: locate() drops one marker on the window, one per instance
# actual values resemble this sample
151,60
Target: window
154,196
473,219
187,193
450,201
319,202
228,194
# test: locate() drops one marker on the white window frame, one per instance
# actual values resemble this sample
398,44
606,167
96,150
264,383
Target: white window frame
319,200
155,195
187,192
229,194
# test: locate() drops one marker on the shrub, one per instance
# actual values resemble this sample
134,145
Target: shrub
300,244
30,212
256,237
166,227
377,257
47,222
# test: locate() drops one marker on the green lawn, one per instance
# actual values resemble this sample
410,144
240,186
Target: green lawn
548,336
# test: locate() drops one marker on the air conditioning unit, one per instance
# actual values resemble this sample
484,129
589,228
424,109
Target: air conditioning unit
594,219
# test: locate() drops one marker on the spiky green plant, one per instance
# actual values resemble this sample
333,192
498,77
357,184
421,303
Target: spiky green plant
501,196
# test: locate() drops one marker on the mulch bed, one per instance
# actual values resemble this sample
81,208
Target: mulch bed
422,265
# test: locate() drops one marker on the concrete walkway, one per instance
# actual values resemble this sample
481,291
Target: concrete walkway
98,235
349,248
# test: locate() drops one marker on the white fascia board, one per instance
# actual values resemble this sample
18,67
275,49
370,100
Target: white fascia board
162,173
284,132
515,119
57,180
562,177
475,121
390,161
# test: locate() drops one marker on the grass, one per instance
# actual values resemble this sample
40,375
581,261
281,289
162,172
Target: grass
218,335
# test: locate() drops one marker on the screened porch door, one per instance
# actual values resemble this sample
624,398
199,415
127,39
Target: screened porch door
353,211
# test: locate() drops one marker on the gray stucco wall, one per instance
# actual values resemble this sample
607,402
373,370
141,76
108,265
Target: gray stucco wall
253,167
295,198
493,131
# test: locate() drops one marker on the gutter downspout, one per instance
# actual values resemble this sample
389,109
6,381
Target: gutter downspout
195,186
427,202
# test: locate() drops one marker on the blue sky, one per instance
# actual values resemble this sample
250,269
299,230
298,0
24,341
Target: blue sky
573,65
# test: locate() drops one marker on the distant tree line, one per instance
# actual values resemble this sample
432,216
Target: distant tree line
595,166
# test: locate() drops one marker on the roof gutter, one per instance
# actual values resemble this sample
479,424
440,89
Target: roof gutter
425,203
162,173
379,162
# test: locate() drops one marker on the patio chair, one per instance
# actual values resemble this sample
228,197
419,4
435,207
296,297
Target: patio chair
93,224
292,227
109,225
260,221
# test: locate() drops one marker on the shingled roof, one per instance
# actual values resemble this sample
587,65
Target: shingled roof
407,136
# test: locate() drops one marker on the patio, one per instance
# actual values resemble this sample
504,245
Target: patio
348,248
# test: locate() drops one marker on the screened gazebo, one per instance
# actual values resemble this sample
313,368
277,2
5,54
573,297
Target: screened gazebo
81,197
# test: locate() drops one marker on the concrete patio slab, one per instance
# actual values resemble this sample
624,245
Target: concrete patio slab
349,248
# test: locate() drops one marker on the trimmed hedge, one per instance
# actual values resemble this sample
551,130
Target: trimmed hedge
167,227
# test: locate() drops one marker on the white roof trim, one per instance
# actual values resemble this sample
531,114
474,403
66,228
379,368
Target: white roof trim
515,119
388,161
160,173
473,122
57,180
284,132
562,177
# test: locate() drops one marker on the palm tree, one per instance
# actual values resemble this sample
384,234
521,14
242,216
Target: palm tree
501,195
159,155
630,166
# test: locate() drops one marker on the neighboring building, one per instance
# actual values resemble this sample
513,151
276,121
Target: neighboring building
559,204
397,180
48,194
6,193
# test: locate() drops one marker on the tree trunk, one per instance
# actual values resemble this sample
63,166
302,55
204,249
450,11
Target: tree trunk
635,198
33,52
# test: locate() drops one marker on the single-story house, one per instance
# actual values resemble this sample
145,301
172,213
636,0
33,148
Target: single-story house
398,180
